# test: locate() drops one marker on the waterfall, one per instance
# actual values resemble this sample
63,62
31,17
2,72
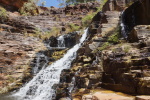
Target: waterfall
61,41
41,62
40,87
123,26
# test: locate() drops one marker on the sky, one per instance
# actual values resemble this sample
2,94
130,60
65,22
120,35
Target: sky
49,3
54,3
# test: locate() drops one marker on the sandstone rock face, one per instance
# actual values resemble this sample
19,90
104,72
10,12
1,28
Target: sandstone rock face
21,41
86,72
140,33
132,15
130,70
123,67
13,3
16,51
102,94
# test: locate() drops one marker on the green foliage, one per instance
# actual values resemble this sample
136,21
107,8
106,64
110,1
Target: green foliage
129,4
87,19
104,46
114,38
74,27
126,49
101,5
28,9
43,35
3,14
75,1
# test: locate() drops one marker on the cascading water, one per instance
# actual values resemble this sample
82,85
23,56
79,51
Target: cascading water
40,87
61,41
123,27
41,62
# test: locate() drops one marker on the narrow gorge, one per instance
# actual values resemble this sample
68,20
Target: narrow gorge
87,51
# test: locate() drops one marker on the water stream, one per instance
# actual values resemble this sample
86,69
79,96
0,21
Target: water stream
40,87
123,26
61,41
40,63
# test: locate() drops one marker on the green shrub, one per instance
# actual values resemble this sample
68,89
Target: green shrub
87,19
43,35
74,27
104,46
3,14
114,38
29,8
126,49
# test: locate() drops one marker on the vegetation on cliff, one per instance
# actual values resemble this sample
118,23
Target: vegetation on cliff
3,14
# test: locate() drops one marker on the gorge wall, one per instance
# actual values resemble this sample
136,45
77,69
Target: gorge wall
104,61
13,4
132,15
23,38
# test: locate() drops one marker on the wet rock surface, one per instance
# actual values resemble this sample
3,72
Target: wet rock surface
122,67
100,63
21,39
86,72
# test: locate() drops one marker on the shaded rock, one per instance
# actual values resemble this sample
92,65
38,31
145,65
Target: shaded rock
16,4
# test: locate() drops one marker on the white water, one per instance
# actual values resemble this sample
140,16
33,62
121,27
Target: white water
123,31
60,45
40,56
40,87
61,41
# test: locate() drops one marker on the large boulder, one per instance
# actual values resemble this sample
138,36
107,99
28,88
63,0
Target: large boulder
136,14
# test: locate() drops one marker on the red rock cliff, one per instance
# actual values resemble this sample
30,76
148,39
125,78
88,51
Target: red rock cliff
14,3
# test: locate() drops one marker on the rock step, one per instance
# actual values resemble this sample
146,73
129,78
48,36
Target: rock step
107,29
108,25
106,96
113,20
112,14
143,97
99,39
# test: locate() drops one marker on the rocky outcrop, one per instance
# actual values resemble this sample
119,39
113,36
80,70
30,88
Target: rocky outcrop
70,40
132,15
86,72
103,63
126,65
126,69
101,94
13,4
21,41
16,53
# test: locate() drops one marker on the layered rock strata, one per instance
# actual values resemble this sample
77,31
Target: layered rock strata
21,41
100,63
